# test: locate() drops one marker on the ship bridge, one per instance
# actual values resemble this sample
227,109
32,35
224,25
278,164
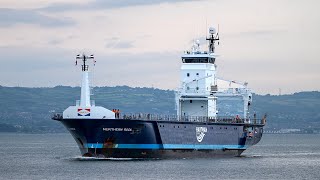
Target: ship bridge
200,92
198,81
199,57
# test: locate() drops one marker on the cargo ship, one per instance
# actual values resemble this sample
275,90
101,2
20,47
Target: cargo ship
198,129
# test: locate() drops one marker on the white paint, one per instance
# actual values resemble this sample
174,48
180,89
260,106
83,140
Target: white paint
197,96
200,133
198,77
96,112
85,90
86,109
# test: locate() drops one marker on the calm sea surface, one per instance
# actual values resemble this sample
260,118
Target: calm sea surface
56,156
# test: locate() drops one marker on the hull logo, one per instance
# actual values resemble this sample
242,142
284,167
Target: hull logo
200,132
83,112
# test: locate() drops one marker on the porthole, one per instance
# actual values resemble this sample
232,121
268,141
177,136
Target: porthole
197,74
188,74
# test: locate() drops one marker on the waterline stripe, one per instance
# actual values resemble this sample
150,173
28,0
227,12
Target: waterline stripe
200,146
166,146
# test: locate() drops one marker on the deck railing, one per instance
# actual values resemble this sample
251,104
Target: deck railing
205,119
226,119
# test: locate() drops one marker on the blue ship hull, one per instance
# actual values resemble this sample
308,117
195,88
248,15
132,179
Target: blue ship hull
123,138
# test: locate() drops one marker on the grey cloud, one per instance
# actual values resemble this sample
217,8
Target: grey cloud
124,45
9,17
116,43
24,59
160,69
55,42
54,66
257,33
262,32
127,3
121,45
107,4
60,7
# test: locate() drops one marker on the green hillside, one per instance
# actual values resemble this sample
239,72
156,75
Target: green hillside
30,109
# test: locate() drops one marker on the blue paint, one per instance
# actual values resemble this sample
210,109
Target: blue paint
202,146
167,146
139,146
84,115
93,145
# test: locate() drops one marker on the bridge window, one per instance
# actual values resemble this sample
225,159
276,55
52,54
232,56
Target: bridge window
212,60
198,60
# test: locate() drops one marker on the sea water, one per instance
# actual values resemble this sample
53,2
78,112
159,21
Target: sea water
56,156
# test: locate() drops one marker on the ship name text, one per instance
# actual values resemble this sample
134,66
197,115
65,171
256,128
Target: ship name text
117,129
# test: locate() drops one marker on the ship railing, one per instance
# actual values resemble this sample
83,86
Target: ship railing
161,117
215,90
147,116
205,119
194,91
234,91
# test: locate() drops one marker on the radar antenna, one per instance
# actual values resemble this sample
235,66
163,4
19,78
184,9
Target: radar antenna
214,36
84,58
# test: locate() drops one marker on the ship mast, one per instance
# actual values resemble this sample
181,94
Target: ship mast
212,38
85,88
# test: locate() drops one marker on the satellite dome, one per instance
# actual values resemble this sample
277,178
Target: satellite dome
212,30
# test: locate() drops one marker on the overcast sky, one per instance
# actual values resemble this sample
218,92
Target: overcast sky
272,44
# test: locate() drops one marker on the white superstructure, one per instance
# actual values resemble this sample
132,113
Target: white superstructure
200,90
85,108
